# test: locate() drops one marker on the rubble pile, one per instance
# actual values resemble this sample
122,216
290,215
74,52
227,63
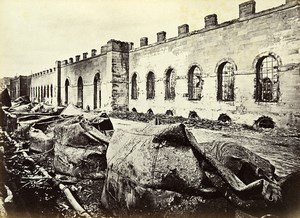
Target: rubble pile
201,123
194,122
72,163
70,150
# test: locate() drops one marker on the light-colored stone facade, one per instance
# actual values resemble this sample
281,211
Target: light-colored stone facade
242,42
257,52
105,74
43,86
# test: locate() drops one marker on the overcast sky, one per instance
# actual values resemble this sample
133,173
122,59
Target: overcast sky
36,33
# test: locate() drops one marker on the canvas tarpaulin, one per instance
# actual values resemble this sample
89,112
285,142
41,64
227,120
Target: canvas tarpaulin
169,159
79,148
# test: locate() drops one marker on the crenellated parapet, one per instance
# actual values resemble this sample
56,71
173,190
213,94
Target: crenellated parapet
111,45
43,73
247,11
117,45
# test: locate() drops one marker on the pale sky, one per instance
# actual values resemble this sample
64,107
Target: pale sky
36,33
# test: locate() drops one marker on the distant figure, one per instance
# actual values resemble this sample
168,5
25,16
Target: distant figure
88,108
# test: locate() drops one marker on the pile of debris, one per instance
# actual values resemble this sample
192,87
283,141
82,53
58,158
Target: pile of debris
192,121
74,164
50,157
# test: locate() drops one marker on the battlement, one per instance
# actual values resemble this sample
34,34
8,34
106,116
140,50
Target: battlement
111,45
44,72
116,45
247,11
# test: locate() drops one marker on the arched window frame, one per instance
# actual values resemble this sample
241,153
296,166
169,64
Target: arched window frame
51,90
195,83
97,91
80,92
226,70
48,91
150,85
134,88
67,84
170,84
266,83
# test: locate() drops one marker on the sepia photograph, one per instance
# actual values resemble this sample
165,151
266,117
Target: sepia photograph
149,108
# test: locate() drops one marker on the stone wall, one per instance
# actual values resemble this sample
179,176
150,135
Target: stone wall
106,76
241,41
112,67
18,87
87,70
41,81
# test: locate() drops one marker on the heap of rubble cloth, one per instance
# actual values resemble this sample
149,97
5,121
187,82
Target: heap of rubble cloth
170,159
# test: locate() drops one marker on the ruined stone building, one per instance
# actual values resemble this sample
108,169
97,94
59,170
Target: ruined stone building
19,86
247,68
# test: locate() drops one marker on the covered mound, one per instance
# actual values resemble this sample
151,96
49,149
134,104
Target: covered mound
155,169
79,149
159,168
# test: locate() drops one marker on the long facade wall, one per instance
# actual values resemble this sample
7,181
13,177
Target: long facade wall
104,76
87,70
104,81
242,42
44,87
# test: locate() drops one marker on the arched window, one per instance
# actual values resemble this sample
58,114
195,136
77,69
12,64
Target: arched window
45,91
51,90
170,85
267,79
226,81
134,93
150,85
97,91
48,91
67,84
39,93
195,83
80,92
42,93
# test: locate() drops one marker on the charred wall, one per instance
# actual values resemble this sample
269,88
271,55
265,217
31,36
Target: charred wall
18,87
243,42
